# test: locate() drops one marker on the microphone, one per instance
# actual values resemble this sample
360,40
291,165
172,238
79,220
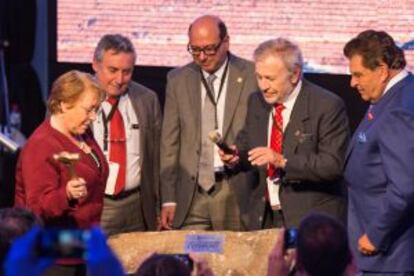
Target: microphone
8,143
216,138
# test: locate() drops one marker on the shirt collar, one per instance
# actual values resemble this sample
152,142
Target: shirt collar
395,80
219,73
291,98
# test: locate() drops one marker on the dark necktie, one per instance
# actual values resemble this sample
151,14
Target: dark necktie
117,152
276,138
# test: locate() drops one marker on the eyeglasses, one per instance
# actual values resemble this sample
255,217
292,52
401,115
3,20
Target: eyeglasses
91,110
209,50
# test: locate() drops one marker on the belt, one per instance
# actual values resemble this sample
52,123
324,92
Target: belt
221,175
123,194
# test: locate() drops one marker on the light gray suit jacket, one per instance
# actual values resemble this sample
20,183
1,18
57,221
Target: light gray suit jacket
314,143
181,129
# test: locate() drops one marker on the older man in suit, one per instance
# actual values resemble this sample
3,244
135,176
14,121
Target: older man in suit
208,94
293,142
128,130
379,159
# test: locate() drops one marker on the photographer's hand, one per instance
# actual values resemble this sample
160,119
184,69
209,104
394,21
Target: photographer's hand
100,260
279,261
22,259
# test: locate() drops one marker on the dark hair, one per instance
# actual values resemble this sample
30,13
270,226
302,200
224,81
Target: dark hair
220,25
375,47
14,222
322,246
163,265
116,42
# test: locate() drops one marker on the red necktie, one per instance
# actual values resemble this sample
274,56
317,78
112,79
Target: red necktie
117,148
276,138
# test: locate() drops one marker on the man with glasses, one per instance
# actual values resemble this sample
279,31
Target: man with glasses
209,94
128,130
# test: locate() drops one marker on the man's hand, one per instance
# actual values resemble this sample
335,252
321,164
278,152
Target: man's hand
279,261
365,246
229,159
262,156
167,216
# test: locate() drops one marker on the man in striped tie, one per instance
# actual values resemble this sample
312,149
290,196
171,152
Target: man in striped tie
293,142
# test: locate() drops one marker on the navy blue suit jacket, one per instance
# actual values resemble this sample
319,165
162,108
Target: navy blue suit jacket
380,173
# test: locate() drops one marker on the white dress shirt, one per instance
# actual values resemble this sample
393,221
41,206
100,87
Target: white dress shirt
131,125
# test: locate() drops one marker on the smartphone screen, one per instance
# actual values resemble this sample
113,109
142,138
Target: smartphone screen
291,235
63,243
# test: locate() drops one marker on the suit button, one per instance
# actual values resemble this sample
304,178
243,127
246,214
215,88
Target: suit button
193,178
260,218
263,199
198,152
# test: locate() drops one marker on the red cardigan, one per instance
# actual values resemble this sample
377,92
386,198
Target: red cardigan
41,180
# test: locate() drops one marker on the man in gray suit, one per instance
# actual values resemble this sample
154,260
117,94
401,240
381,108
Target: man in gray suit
131,194
208,94
293,142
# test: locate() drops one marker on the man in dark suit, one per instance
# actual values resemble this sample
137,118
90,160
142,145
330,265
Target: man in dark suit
293,142
131,195
208,94
378,168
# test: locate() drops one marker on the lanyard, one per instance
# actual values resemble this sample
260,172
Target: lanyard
210,93
105,120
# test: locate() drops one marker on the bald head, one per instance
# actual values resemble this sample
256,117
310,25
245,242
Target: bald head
208,23
208,42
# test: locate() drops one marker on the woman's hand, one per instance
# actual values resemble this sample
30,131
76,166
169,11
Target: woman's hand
76,188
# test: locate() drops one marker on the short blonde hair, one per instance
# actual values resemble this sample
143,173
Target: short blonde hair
69,87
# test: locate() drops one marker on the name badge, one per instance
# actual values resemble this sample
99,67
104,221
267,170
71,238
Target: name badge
203,243
273,187
113,175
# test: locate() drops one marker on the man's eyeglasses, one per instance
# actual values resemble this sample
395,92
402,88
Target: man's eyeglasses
209,50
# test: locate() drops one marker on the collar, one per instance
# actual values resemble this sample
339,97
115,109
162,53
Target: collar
291,98
219,72
401,75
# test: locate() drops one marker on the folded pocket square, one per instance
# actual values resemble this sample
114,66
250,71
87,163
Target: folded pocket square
362,137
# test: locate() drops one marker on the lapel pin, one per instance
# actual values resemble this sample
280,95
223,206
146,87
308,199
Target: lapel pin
370,115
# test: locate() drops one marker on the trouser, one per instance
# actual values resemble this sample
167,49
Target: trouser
122,214
216,209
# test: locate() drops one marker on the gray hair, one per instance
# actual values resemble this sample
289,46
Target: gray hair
285,49
115,42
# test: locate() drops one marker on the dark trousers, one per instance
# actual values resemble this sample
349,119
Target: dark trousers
272,218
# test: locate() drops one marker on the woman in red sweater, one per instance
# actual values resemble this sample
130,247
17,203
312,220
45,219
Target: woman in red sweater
62,195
